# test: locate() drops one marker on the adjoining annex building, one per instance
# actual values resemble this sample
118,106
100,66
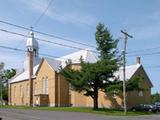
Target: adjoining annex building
40,83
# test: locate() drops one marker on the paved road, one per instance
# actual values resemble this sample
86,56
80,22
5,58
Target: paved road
13,114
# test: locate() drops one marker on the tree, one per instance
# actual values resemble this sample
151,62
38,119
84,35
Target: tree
5,75
134,84
9,73
93,77
1,77
155,98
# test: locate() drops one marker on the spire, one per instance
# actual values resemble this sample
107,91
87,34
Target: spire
32,46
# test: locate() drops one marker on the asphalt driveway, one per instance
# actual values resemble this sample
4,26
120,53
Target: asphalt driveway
15,114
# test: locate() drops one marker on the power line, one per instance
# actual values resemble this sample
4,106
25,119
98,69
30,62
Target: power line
69,46
10,48
25,51
25,28
50,35
51,56
54,36
21,50
44,40
21,41
36,22
143,50
146,54
153,66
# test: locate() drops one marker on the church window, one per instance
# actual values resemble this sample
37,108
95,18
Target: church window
27,90
21,92
140,93
14,92
34,88
35,52
45,85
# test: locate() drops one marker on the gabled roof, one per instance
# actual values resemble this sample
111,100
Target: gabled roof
87,56
55,64
130,70
24,75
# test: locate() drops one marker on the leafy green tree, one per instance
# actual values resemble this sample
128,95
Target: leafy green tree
116,87
93,77
1,77
5,75
1,66
155,98
9,73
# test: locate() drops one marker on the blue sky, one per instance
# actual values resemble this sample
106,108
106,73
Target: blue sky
77,20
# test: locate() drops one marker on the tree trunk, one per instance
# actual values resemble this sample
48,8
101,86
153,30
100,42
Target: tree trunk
95,99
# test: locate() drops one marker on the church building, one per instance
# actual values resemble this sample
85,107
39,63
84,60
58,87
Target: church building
41,84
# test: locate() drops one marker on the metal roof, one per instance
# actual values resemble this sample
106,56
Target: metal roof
86,55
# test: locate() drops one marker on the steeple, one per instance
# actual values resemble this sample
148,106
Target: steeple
33,46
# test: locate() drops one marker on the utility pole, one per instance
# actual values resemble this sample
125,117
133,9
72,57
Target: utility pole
124,69
1,83
1,92
30,53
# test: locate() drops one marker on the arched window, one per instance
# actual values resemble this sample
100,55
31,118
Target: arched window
21,91
35,52
14,91
34,88
27,90
140,93
45,85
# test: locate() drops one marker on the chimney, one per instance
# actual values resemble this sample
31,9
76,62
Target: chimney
138,60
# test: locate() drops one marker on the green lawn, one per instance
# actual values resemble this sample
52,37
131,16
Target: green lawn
85,110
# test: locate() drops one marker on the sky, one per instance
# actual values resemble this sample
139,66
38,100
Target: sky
77,20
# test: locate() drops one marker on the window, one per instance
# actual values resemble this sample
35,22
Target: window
69,84
140,93
14,91
27,90
45,85
34,88
21,91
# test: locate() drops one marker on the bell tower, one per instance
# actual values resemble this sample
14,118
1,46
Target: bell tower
32,59
32,45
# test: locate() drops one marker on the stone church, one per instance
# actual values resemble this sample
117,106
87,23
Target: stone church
40,84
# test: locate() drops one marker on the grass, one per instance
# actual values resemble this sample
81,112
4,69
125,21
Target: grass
112,112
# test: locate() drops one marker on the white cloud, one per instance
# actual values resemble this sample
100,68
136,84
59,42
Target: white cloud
7,37
147,32
15,59
73,17
149,29
12,59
